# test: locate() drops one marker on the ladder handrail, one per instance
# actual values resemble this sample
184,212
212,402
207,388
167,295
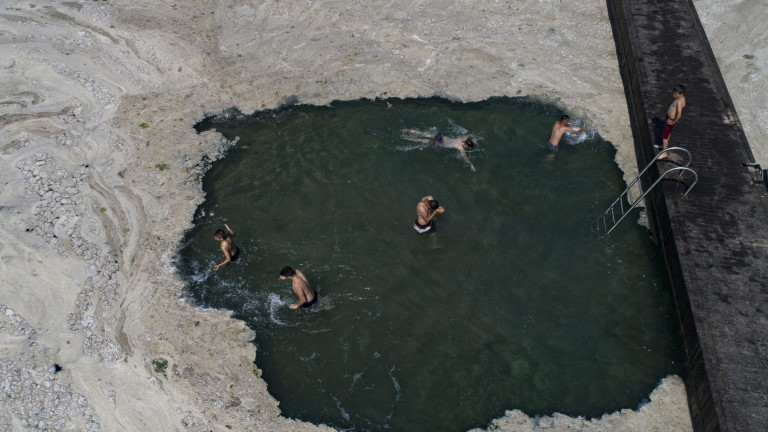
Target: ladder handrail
658,180
679,168
655,158
632,183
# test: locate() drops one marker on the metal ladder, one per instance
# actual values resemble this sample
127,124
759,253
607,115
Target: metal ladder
617,211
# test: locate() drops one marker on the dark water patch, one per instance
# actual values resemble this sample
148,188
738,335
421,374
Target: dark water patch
510,304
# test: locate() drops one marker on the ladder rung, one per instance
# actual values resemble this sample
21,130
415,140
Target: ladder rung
634,202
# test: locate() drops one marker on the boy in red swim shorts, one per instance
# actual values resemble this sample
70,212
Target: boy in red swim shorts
674,114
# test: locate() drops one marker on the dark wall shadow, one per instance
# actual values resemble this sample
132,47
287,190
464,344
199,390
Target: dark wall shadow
658,128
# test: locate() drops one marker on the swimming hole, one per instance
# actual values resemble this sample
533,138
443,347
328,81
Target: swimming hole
511,303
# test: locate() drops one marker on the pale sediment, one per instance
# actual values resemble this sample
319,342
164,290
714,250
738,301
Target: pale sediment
739,39
101,173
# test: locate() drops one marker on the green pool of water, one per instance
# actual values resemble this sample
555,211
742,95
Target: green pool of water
511,303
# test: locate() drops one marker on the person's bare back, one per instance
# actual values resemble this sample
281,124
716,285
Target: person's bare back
300,285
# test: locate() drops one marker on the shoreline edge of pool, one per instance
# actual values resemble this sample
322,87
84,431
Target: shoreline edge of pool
102,174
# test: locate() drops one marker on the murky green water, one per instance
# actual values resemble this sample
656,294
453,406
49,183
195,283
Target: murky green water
510,304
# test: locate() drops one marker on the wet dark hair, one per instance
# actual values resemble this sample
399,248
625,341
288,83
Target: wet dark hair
287,271
679,89
564,117
220,234
433,204
469,141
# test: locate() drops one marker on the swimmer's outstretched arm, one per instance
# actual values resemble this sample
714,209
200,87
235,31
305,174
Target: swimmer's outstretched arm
231,233
466,159
569,130
227,258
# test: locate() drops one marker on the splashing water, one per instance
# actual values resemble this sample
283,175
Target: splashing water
509,304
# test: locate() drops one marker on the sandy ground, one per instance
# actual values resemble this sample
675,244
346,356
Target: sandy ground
100,171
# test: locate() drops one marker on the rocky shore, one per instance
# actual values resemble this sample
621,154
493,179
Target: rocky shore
100,170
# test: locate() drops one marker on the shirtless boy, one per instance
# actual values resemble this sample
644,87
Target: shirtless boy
426,211
307,296
674,114
462,143
227,245
558,129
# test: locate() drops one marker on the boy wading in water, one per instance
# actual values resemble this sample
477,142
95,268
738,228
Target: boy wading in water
227,245
426,211
674,114
307,296
558,129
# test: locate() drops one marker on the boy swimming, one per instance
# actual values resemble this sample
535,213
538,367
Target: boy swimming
227,245
462,143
